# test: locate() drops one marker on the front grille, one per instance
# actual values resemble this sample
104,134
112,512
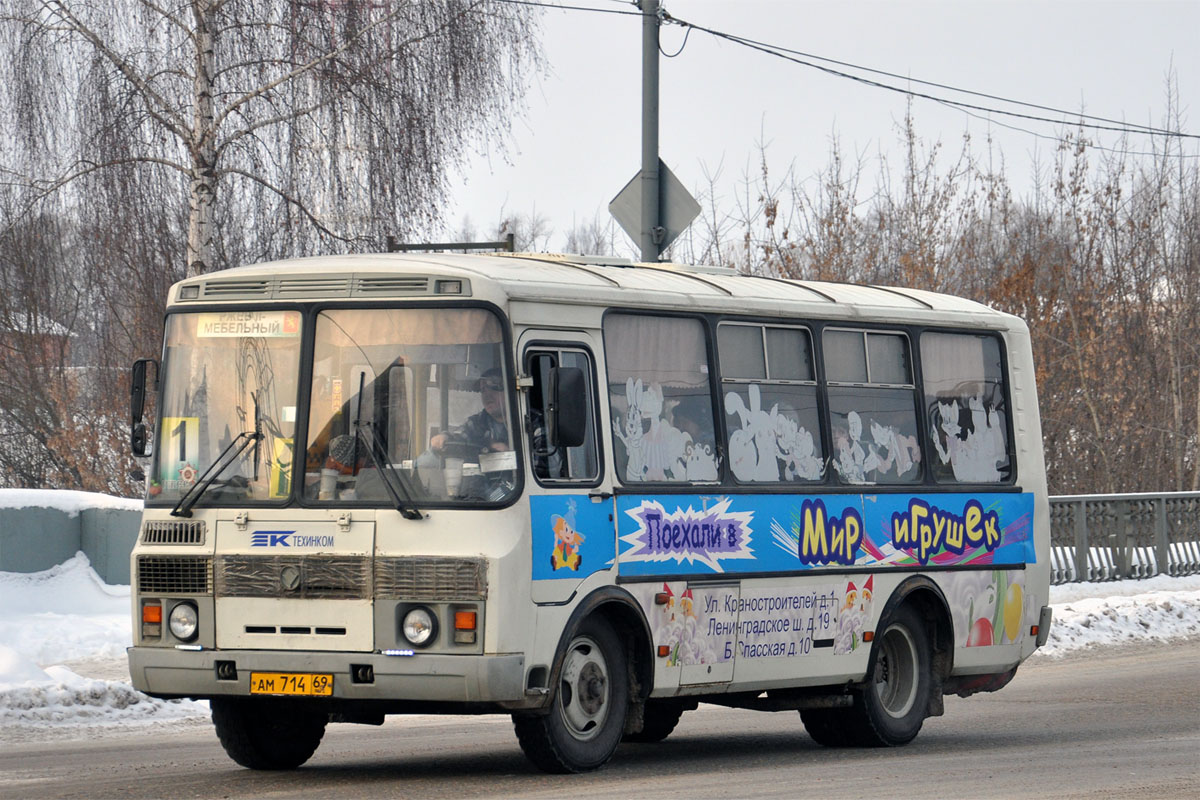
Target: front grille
309,577
431,578
171,575
191,531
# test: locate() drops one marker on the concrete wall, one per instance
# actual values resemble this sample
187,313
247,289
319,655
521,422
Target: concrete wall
33,539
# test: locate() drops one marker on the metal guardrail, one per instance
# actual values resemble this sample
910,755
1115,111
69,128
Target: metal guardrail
1109,537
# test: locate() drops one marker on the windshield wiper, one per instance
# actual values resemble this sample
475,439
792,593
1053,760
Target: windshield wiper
377,450
227,457
393,481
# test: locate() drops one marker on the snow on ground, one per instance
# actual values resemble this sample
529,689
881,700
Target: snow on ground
63,634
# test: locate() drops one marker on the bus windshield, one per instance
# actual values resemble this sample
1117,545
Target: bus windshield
229,391
409,406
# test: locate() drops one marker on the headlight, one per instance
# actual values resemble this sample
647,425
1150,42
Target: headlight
420,626
183,621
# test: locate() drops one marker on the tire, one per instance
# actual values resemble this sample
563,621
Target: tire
267,734
659,718
890,709
587,714
827,727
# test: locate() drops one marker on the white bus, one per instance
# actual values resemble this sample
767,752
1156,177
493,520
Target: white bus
587,493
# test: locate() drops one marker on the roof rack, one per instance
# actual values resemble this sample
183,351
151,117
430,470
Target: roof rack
507,245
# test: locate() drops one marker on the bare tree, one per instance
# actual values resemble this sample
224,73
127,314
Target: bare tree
1102,261
594,237
279,125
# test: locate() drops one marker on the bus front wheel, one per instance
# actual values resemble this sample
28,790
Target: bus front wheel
267,734
587,715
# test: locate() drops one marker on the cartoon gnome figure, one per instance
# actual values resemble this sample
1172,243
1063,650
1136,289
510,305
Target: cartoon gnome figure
853,616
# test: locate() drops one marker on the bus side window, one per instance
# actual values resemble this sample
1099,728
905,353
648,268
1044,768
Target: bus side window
769,393
871,407
553,463
660,399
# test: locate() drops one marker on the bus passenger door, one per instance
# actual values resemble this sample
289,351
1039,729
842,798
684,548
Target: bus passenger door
571,508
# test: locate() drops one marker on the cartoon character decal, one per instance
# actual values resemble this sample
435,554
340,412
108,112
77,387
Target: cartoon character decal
976,454
630,432
888,454
853,616
677,625
655,449
766,446
566,548
990,607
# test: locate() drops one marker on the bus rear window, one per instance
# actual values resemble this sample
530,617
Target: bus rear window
965,404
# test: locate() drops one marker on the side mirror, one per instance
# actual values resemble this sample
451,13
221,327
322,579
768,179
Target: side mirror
139,440
566,418
138,434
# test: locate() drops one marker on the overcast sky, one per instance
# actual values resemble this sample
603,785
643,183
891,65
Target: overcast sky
579,143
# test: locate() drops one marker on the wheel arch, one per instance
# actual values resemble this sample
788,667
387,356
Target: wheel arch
927,599
619,608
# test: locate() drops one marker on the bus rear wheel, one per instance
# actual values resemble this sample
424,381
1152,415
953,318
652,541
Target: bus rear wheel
587,715
891,707
267,734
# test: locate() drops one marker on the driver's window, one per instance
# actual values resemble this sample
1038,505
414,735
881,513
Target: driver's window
553,463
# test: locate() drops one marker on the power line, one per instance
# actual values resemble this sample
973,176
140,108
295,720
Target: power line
1072,118
788,55
934,84
1059,139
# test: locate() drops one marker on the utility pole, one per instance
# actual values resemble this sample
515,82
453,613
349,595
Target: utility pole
654,207
652,231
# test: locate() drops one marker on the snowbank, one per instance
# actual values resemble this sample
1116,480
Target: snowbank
67,614
1123,612
70,503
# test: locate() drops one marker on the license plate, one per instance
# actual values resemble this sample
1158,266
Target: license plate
305,684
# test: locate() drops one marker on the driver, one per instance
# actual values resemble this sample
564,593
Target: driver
485,431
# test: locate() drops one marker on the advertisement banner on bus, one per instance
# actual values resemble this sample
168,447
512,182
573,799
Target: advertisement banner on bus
701,534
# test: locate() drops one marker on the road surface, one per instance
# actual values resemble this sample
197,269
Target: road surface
1116,722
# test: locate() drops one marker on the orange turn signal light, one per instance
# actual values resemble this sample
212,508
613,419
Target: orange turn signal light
661,598
664,651
151,613
464,620
1033,631
868,636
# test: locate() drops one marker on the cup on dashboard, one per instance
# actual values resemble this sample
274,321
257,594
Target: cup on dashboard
328,484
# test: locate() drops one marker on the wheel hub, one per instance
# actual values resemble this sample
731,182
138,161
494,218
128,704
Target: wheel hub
590,688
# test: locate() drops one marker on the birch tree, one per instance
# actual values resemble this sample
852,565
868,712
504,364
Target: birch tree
275,127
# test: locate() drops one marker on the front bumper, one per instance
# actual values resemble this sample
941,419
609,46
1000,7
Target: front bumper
165,672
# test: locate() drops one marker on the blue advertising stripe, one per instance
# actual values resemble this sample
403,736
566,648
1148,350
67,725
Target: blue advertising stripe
705,535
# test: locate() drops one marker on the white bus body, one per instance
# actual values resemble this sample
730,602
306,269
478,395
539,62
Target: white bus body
587,494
